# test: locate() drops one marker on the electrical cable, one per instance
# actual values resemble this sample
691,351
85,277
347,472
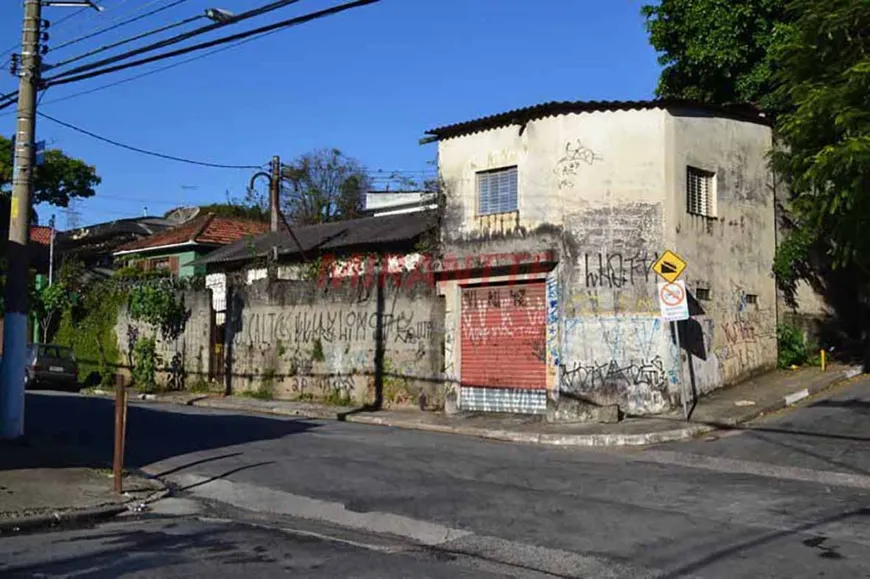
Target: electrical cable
145,151
278,25
126,41
178,38
120,24
149,73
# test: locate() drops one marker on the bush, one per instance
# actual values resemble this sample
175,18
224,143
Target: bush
145,364
792,347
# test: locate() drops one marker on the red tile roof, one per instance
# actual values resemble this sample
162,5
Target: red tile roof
204,230
40,234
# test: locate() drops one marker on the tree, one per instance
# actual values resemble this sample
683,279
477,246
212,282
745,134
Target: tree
824,76
716,51
323,186
235,209
59,178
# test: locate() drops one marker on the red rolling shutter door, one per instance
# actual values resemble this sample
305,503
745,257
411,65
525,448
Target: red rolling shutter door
504,336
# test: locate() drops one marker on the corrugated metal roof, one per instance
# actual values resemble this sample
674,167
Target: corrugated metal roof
328,237
746,112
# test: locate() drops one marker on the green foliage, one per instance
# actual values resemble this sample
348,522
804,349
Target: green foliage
238,210
145,362
337,397
58,180
48,303
793,349
716,51
824,75
88,327
317,351
160,306
323,186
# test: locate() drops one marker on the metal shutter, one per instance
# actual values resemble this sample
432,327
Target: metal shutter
504,361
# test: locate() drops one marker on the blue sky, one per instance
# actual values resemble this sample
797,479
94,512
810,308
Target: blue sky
369,81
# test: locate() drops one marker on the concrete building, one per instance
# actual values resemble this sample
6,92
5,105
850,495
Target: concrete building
555,215
380,203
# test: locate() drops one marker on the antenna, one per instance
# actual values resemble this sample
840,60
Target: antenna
145,211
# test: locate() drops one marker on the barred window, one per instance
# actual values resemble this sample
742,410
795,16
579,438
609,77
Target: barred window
497,191
701,192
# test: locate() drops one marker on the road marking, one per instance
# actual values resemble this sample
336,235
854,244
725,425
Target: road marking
458,541
796,397
736,466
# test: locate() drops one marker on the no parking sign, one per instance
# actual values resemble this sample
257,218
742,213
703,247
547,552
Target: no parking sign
672,301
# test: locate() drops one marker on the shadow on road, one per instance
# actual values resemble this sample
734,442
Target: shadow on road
80,431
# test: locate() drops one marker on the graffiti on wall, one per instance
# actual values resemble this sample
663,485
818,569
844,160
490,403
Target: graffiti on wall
502,312
617,270
330,326
575,156
592,302
553,320
582,377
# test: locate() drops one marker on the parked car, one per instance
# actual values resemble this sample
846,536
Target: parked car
51,366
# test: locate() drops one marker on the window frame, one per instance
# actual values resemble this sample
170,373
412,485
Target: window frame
697,209
493,207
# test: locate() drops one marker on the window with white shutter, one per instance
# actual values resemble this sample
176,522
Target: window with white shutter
701,192
497,191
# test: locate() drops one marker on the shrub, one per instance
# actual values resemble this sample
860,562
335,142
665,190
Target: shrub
792,347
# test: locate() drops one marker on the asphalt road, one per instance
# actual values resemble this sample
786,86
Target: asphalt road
788,498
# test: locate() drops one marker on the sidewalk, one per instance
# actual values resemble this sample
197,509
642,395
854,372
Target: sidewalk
44,485
726,408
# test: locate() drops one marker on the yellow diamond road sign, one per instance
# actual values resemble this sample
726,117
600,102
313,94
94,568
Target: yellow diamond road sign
669,266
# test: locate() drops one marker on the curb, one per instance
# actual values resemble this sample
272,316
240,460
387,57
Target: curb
551,439
690,431
73,517
787,401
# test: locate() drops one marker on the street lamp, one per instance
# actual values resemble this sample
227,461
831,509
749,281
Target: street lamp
219,15
74,3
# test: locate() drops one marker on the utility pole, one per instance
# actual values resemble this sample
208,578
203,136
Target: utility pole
51,252
17,258
274,192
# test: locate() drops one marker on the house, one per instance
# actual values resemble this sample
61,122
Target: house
175,249
94,245
559,212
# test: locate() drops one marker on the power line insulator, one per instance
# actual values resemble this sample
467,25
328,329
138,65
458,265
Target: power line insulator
13,64
43,49
45,24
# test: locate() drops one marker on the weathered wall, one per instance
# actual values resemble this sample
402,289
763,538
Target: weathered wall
731,255
592,189
186,357
304,341
606,193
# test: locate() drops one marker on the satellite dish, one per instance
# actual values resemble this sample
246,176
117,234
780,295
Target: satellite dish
182,215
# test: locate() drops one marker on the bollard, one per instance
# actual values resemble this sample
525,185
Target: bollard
823,359
120,431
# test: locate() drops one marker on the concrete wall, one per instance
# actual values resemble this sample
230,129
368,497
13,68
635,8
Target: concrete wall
731,255
301,341
606,193
189,351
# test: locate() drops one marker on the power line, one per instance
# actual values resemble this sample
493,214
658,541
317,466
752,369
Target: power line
178,38
282,24
144,74
15,47
120,24
127,40
144,151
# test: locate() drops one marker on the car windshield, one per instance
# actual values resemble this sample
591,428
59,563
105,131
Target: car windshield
56,352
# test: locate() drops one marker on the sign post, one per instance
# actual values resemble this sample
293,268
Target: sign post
674,307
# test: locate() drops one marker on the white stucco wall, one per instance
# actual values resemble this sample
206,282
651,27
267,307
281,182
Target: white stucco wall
606,190
600,178
730,254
